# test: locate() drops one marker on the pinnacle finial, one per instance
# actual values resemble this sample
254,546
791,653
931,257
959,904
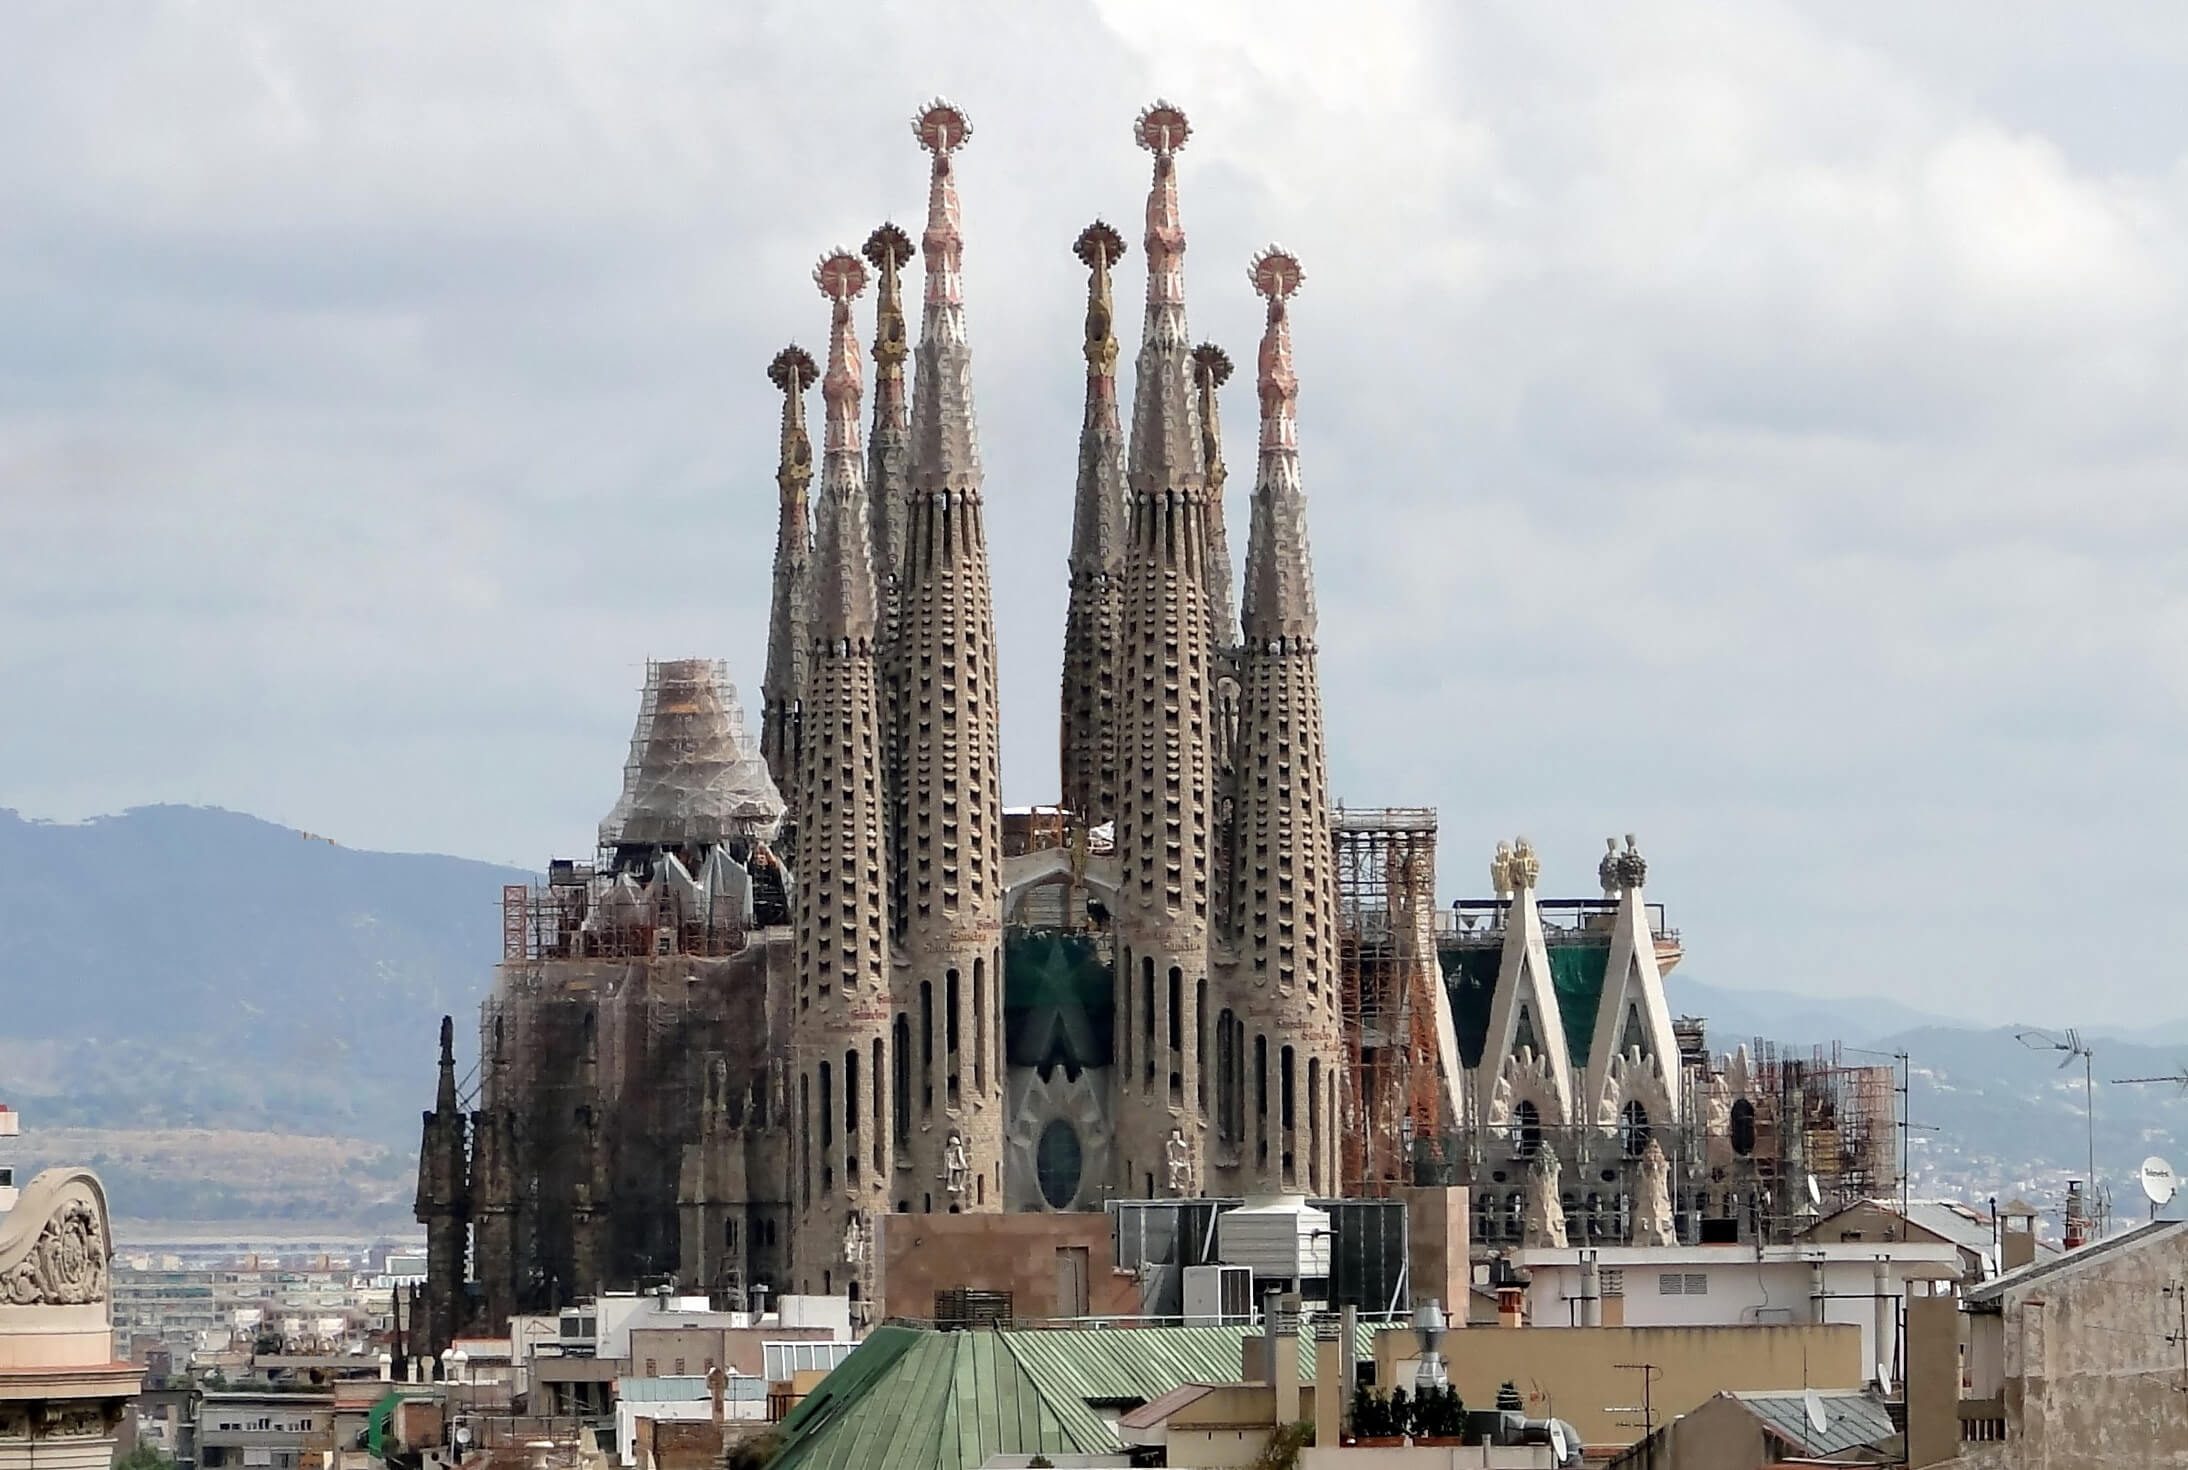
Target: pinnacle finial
1213,362
1161,128
793,370
941,127
840,276
1099,239
842,279
888,246
1275,274
1099,245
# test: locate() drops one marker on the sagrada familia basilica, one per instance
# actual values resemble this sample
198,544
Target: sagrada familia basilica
824,975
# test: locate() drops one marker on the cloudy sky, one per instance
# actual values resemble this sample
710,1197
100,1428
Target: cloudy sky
1763,428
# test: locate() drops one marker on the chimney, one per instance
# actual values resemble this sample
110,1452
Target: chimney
2077,1217
1591,1290
1932,1388
1333,1378
1284,1356
1511,1306
2016,1237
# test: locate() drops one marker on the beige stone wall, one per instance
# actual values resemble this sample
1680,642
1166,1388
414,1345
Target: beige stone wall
1573,1373
2090,1377
921,1255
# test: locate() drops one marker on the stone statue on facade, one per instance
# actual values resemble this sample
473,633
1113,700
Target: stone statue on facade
1544,1224
956,1167
1525,868
1178,1163
1652,1223
854,1241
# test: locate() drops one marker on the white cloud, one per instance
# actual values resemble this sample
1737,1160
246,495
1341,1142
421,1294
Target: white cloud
1758,427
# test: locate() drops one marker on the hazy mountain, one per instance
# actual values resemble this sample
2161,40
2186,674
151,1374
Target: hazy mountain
178,968
1737,1013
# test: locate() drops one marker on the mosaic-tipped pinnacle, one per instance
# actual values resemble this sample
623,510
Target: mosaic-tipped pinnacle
793,369
839,275
1275,273
887,242
941,127
1213,361
1099,237
1161,128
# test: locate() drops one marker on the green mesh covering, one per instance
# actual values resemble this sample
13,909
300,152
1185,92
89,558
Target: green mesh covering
1058,999
1577,968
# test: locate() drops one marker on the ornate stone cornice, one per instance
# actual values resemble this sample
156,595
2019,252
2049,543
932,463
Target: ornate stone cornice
55,1244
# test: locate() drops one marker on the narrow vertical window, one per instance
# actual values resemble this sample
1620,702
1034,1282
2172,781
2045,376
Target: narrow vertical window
1200,1045
1147,1019
949,1048
900,1041
926,1046
980,1027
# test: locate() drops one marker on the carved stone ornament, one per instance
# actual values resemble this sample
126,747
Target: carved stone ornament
54,1245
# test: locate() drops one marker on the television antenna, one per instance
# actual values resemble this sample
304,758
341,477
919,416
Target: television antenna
2071,1043
2178,1079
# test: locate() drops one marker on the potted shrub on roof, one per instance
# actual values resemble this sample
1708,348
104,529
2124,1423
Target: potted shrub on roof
1371,1419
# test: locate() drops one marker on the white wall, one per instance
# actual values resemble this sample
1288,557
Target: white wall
1741,1288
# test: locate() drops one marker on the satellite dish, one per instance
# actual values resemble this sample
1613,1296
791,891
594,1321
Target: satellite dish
2158,1180
1884,1380
1815,1195
1814,1406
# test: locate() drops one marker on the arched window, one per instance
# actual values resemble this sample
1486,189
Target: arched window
1526,1129
1633,1129
1058,1161
1743,1128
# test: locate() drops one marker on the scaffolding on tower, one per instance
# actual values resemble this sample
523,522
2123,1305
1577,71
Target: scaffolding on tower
1398,1100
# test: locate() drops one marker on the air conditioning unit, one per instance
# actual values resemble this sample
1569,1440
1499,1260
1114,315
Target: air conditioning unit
1219,1296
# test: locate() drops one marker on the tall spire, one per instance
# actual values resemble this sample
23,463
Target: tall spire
948,849
841,1025
782,690
1166,796
1279,579
1093,622
889,465
444,1097
1211,370
1283,912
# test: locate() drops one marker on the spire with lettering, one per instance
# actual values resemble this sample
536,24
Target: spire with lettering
1094,618
1165,795
889,448
889,484
1211,370
782,689
1284,902
948,869
840,1028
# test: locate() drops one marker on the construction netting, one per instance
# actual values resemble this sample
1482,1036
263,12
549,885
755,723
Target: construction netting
694,775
